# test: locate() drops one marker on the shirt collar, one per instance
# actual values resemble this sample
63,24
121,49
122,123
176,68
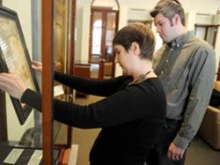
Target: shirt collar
179,41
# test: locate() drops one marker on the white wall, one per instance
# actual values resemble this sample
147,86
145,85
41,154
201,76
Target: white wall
83,19
82,29
201,6
23,9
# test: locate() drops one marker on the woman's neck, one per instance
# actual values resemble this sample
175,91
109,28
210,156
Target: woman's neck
144,72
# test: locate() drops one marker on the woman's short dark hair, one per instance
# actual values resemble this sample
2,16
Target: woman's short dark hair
140,33
169,8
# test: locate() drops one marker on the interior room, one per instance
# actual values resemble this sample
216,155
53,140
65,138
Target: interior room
75,37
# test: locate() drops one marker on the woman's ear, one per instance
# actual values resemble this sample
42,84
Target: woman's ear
135,47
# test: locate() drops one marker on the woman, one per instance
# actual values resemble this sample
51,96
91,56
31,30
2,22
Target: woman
131,114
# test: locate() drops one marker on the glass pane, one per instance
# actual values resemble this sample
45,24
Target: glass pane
97,36
110,33
97,25
20,137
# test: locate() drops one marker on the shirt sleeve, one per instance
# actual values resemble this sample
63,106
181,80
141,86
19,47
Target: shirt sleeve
93,86
202,72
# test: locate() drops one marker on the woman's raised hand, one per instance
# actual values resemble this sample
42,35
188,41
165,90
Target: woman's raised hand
37,66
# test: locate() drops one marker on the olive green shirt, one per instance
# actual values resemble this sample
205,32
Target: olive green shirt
186,67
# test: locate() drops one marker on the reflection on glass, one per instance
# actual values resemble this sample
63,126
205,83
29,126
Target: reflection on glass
110,33
96,41
97,36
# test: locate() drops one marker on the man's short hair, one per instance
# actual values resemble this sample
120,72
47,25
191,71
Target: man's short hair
169,8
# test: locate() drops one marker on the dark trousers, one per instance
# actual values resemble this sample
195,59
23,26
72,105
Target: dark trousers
158,155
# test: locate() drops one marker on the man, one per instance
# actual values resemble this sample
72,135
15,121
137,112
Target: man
186,67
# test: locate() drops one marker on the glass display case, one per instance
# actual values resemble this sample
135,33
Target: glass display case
51,34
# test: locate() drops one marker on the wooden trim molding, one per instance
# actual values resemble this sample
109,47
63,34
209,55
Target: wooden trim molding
72,62
47,10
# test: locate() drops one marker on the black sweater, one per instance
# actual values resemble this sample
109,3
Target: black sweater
130,116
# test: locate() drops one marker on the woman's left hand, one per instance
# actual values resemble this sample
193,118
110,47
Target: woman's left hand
12,84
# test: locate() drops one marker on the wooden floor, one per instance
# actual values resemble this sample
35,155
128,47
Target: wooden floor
199,152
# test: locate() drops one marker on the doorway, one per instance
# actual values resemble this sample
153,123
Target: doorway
104,25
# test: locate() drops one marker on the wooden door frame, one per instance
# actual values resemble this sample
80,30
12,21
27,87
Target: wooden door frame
104,10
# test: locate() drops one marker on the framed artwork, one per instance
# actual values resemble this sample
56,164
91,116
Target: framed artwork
14,56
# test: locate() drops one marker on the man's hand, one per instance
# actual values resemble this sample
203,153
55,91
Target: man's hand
175,153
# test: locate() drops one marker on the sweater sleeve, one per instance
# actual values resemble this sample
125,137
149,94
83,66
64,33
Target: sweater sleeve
118,108
203,73
93,86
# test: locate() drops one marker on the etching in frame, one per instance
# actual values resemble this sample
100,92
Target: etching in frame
14,56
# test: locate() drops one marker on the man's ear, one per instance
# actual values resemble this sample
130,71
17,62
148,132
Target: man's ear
176,19
135,47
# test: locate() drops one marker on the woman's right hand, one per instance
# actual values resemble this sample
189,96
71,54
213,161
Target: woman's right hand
12,84
37,66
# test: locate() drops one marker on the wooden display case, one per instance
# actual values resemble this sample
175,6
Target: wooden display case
47,80
51,153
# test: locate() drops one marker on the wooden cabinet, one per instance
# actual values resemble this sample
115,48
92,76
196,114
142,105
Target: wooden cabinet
47,148
82,70
47,53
